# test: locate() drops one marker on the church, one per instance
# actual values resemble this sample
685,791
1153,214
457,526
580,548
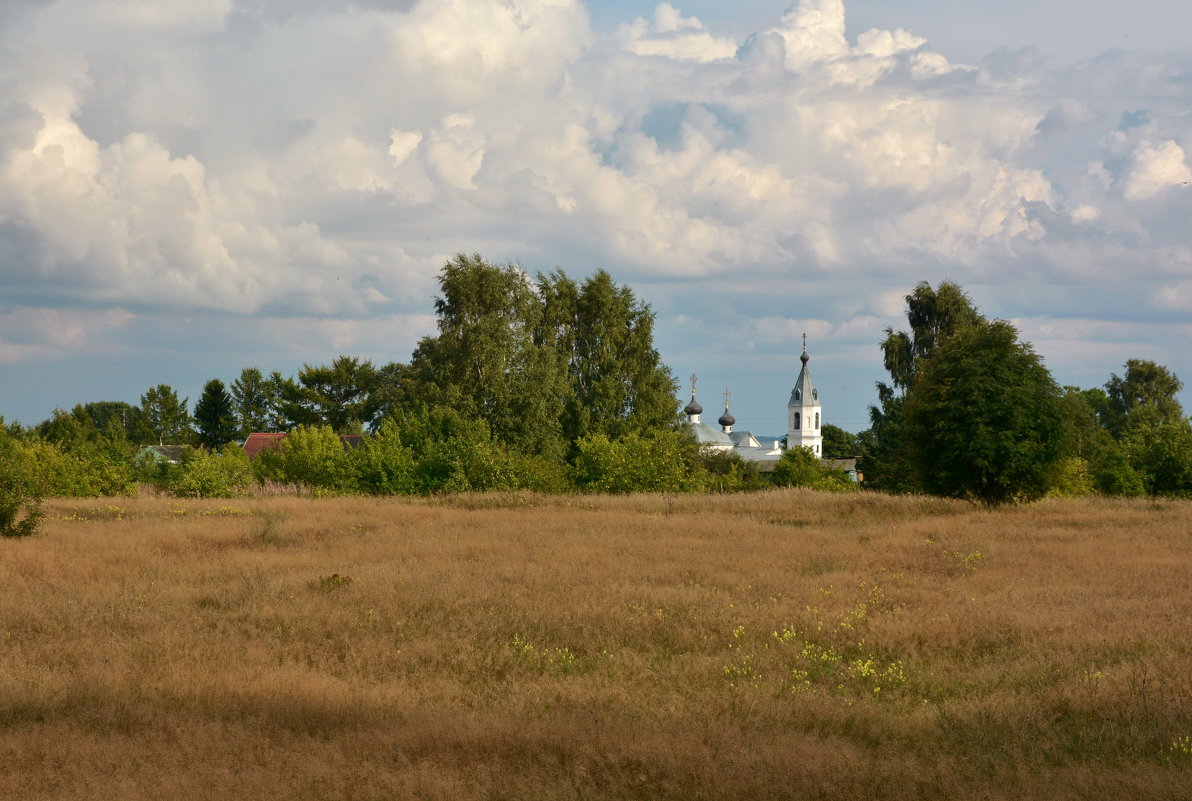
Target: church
804,417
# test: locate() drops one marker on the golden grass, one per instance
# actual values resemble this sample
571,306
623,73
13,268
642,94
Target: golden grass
780,645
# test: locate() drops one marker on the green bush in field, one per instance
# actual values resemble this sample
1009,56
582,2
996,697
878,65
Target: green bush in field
664,462
20,497
203,474
800,467
312,456
94,466
383,465
540,474
428,451
728,472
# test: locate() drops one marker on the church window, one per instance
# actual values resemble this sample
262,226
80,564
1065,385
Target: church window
817,419
815,394
796,421
798,395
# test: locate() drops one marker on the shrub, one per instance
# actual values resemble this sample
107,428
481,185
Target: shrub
20,496
728,472
312,456
382,465
799,467
663,462
213,475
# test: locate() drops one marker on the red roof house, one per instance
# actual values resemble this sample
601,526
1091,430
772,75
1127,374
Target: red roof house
260,441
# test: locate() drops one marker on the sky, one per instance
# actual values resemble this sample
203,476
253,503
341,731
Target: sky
191,187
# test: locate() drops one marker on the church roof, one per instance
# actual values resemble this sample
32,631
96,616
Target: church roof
745,439
804,392
706,435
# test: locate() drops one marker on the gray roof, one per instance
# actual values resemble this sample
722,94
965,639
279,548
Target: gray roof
743,438
706,435
804,391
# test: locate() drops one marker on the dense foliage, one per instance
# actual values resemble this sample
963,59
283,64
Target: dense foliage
983,418
970,412
554,385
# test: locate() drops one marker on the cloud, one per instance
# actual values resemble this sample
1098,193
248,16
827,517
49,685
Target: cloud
312,161
29,334
671,35
1154,168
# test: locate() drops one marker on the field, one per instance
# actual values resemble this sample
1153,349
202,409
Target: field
781,645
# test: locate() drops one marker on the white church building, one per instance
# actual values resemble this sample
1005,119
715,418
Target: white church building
804,418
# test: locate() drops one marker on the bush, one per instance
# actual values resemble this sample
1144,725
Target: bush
728,472
800,467
382,465
20,496
664,462
312,456
203,474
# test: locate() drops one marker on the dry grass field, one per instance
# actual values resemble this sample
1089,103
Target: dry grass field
779,645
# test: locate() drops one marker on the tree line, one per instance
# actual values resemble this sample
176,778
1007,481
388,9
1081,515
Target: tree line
543,383
970,411
553,384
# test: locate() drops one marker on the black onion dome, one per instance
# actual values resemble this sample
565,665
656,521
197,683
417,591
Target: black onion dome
693,407
804,358
726,419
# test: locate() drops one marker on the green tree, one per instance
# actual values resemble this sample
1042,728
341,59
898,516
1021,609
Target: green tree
291,406
1147,393
393,391
1160,451
71,429
253,399
338,394
165,416
934,315
616,379
983,418
1091,456
95,419
838,443
484,361
215,415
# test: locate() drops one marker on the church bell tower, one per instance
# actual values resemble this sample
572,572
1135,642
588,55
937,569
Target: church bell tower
804,412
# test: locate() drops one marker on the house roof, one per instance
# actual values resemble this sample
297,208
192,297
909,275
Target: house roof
262,440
